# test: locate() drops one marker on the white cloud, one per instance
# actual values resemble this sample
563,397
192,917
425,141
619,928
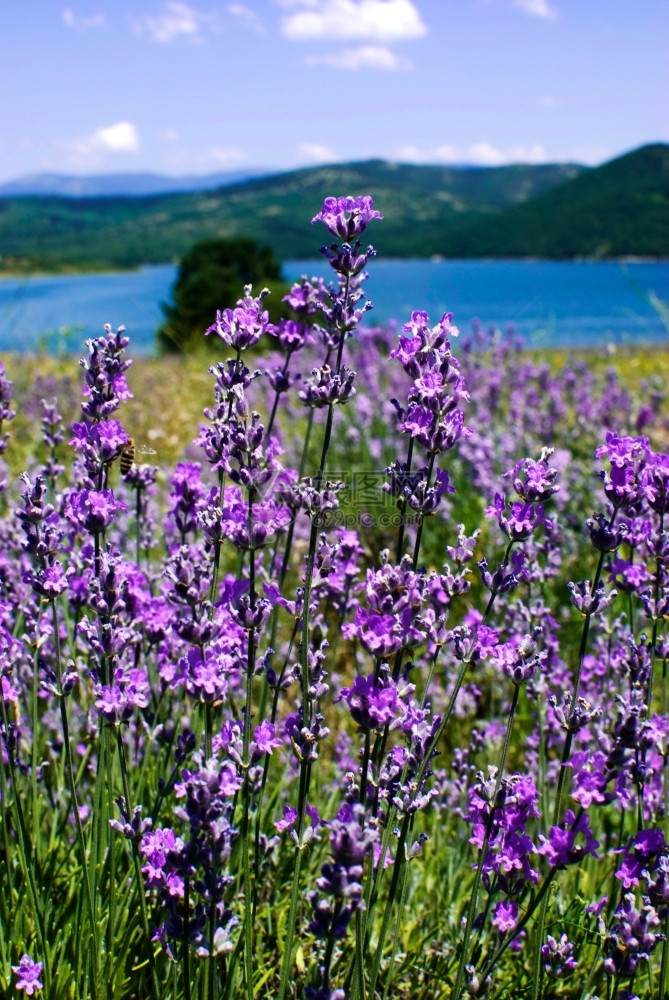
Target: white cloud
380,20
536,8
446,154
71,20
169,135
479,153
246,17
485,154
317,153
178,20
365,57
591,156
223,157
122,137
549,102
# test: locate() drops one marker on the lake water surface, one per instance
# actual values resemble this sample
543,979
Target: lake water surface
556,304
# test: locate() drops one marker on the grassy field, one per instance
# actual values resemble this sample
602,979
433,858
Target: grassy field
170,393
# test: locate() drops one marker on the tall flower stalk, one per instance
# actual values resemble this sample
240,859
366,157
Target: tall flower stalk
346,219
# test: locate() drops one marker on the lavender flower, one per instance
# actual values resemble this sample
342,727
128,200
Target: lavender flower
505,915
587,602
639,856
93,510
509,846
6,413
654,482
626,456
105,382
243,326
28,973
518,659
291,334
350,842
199,861
518,520
347,217
557,956
325,388
373,705
632,937
561,847
534,482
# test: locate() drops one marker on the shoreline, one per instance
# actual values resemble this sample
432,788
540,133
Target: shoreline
74,272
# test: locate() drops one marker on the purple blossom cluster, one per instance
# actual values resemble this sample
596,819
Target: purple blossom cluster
272,737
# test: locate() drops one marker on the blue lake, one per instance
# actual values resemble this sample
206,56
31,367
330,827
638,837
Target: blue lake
550,304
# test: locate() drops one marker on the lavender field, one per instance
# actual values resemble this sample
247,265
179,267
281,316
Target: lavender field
355,684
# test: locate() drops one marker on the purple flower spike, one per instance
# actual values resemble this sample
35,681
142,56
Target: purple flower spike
371,705
518,659
519,520
561,848
557,956
265,741
505,915
350,843
29,973
533,481
632,937
6,387
655,483
94,510
104,368
50,582
347,217
627,456
639,855
587,602
244,325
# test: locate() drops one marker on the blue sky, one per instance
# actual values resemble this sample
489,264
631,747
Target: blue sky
91,86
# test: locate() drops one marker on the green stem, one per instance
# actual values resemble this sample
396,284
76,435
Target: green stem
305,767
69,771
398,925
138,869
23,842
399,552
287,964
397,869
249,902
215,574
566,750
208,730
419,531
329,948
111,868
664,967
138,522
372,890
186,941
277,395
473,902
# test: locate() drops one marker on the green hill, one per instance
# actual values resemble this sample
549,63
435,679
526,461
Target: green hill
554,211
419,203
619,209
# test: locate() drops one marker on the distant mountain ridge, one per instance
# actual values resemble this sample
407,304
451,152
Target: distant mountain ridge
549,210
619,209
124,185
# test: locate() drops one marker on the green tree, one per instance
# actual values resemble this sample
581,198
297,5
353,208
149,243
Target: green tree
212,276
